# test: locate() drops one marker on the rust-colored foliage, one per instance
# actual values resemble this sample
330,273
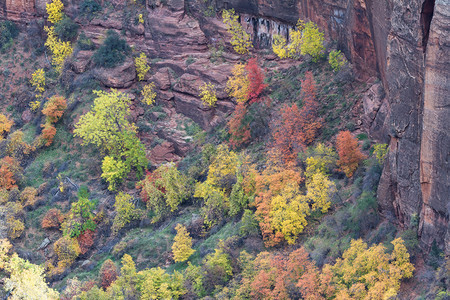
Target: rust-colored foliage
8,168
308,114
52,219
256,81
86,240
287,133
275,276
349,151
54,109
48,133
108,273
150,179
240,132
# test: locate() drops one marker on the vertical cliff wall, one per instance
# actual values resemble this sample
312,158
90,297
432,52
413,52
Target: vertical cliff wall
435,144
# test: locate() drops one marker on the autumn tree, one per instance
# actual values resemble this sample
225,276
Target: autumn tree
54,11
60,50
108,273
155,283
380,151
13,214
288,212
9,172
5,126
305,39
275,183
319,192
38,82
349,151
148,94
240,40
164,190
216,189
237,127
107,127
47,135
371,273
141,65
67,250
256,81
23,279
309,120
86,240
238,83
52,219
54,108
125,211
182,245
218,269
320,159
336,59
208,94
287,133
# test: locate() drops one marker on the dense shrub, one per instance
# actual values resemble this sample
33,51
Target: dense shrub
108,273
66,29
85,43
88,7
52,219
8,31
112,52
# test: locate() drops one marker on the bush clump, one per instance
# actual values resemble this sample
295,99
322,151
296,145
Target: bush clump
8,32
88,7
112,52
66,29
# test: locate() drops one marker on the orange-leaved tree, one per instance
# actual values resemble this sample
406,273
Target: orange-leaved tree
349,151
238,129
256,81
55,108
309,120
9,169
287,133
52,219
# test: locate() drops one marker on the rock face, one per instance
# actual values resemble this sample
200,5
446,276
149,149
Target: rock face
17,10
435,145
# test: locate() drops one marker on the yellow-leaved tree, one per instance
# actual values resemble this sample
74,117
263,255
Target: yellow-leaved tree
60,50
240,40
141,65
370,273
54,10
182,245
306,39
24,280
38,82
238,84
107,127
208,94
5,125
288,213
125,211
148,94
320,189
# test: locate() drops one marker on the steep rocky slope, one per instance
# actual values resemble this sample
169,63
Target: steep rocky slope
405,43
